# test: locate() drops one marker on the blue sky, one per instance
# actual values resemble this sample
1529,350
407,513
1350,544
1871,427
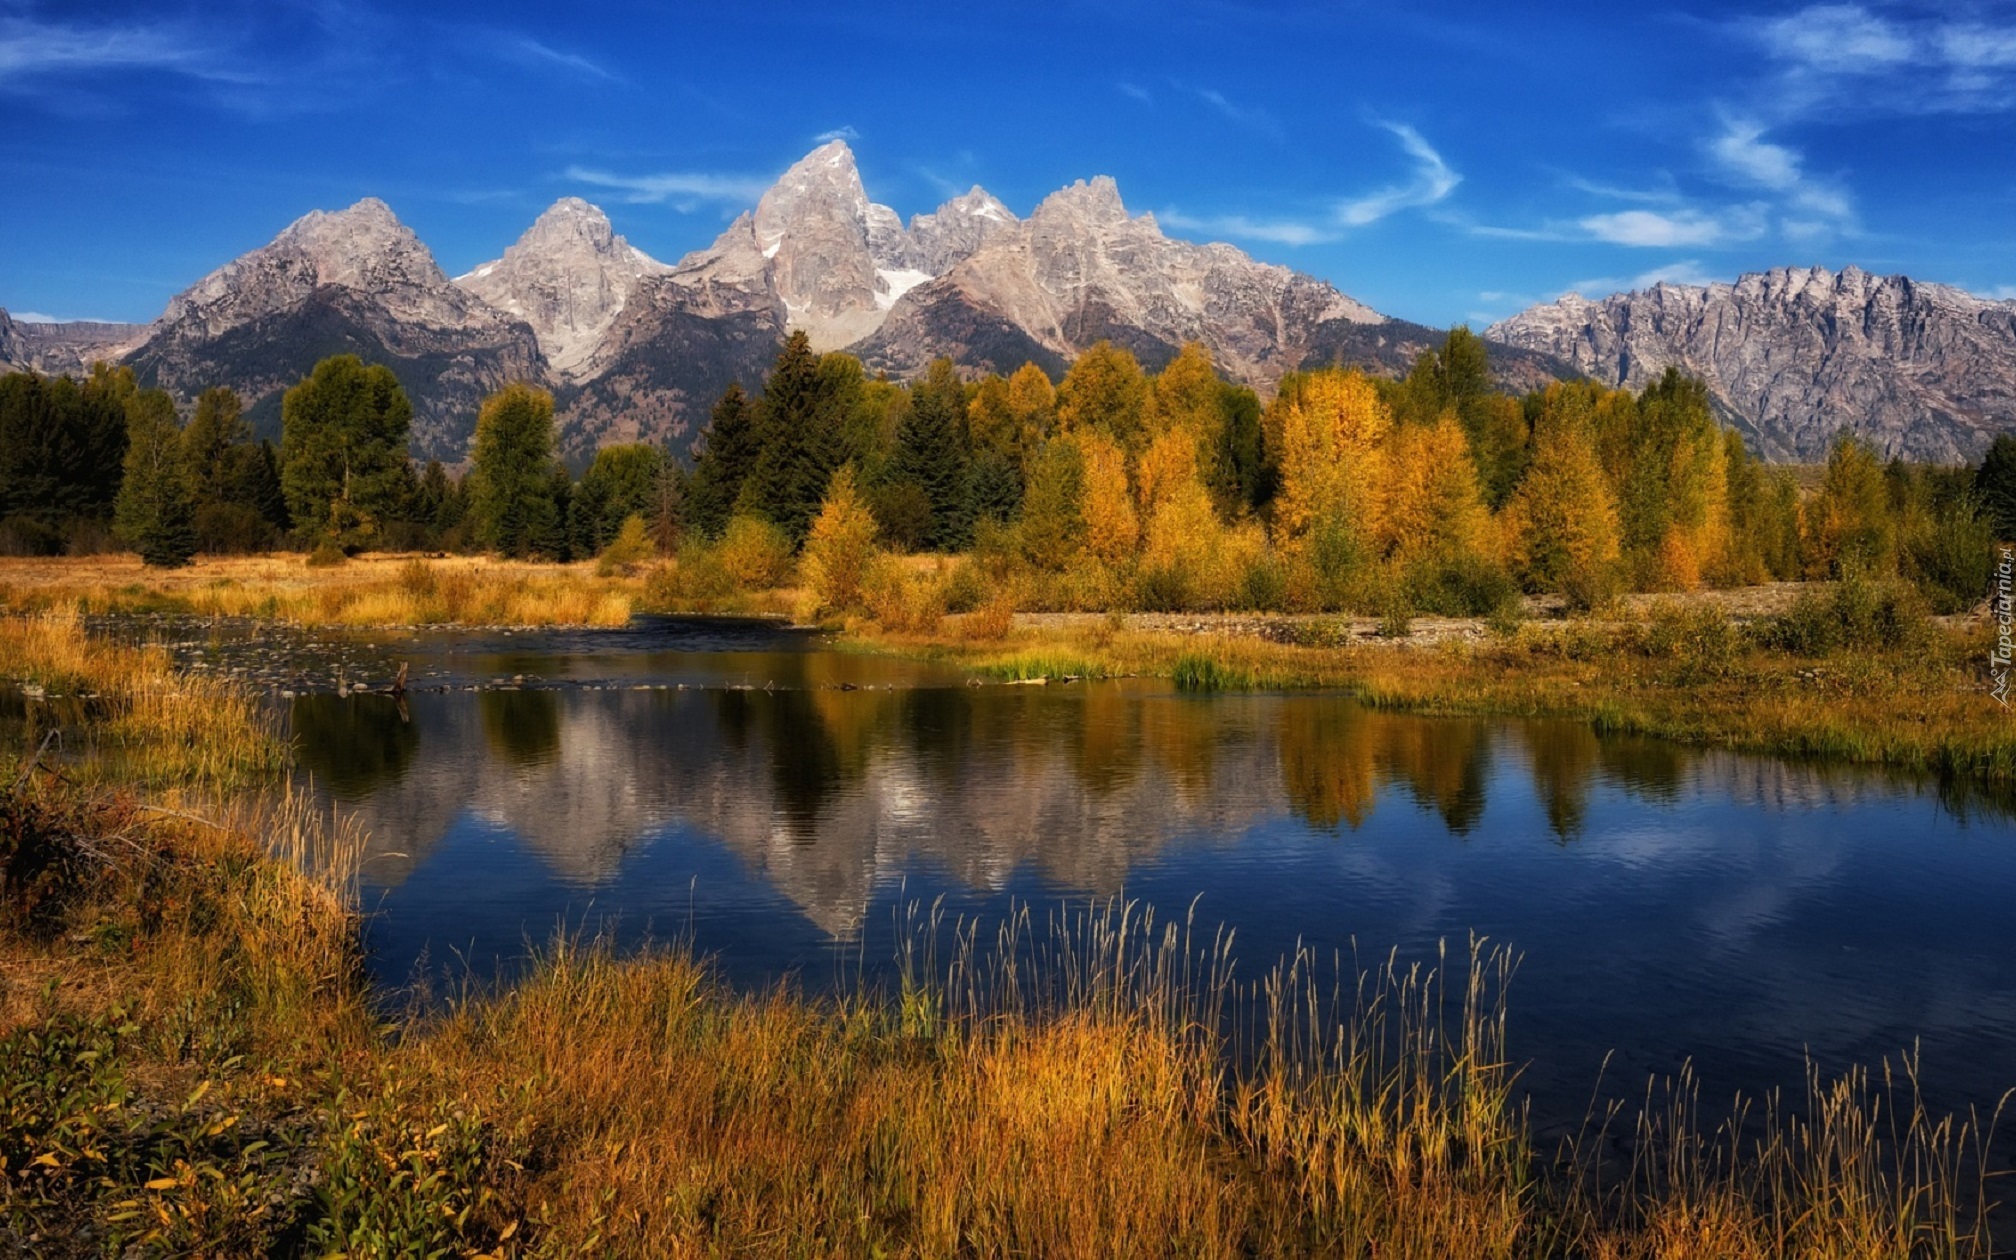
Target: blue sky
1442,162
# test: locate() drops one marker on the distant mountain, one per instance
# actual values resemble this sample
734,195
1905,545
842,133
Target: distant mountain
356,281
638,350
66,348
1794,355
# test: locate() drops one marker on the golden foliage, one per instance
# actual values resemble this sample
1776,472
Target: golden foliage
1561,525
1333,457
1111,527
1104,390
841,546
1434,509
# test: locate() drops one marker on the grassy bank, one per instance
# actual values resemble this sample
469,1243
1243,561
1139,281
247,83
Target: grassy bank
1681,673
370,590
193,1062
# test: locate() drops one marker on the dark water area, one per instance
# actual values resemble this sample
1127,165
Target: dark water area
779,803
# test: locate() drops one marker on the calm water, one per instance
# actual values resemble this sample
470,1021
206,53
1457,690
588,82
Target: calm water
779,803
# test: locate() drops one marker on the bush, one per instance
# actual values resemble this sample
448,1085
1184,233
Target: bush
1163,588
1860,613
898,600
992,621
631,547
1460,588
964,588
226,529
1953,559
327,555
1701,641
27,536
754,554
1263,587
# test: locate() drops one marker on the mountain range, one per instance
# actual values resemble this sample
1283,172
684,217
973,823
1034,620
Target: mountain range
637,349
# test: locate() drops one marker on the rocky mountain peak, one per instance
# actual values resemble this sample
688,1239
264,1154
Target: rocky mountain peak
569,276
1096,201
1795,354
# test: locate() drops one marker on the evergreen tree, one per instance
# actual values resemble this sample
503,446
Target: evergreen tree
1848,523
621,482
993,486
1053,509
1995,486
512,502
1242,455
217,427
156,506
61,447
799,433
724,463
931,454
343,451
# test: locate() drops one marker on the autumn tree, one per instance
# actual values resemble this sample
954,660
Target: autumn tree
840,546
1105,390
156,507
1112,527
512,497
1561,523
343,451
1330,508
1848,522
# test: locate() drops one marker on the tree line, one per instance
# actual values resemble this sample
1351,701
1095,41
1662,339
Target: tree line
1112,487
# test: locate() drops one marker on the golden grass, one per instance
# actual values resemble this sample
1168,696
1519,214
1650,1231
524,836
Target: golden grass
116,712
373,590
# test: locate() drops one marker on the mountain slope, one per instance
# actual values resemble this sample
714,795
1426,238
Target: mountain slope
1795,354
354,281
68,348
569,276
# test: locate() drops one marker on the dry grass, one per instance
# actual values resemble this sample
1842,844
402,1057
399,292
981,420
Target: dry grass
374,590
120,713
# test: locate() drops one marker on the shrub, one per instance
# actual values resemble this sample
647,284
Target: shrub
964,588
1263,586
1467,587
1953,558
1162,588
1860,613
993,620
754,554
327,555
841,547
631,547
1701,641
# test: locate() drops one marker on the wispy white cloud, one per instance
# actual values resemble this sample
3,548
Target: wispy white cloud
1249,116
1136,91
1240,227
1809,208
1850,56
842,132
2001,293
529,51
1432,181
1687,272
1676,228
1658,194
683,190
30,47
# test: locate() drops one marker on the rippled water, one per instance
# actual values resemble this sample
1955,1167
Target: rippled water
780,802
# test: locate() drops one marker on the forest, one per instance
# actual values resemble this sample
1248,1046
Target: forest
1112,489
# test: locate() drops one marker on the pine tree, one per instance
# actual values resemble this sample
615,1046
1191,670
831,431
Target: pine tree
931,454
724,463
621,482
512,502
343,450
156,508
799,433
1995,485
994,487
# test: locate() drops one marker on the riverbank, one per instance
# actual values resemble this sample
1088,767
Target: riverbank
1788,669
193,1062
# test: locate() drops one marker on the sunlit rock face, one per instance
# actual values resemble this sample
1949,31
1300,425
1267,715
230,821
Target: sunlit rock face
1796,354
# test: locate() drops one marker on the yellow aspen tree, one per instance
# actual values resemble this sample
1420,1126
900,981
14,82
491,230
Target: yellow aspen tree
1105,390
1184,539
1032,404
990,418
1333,467
1169,461
841,545
1434,508
1562,528
1111,527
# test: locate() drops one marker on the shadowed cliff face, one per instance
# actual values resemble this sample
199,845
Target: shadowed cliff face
1921,370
